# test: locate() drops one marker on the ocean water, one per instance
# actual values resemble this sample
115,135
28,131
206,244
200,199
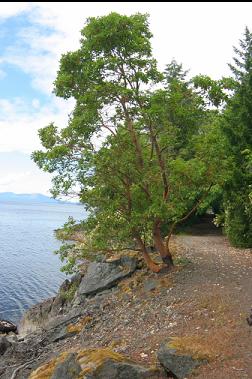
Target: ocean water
29,271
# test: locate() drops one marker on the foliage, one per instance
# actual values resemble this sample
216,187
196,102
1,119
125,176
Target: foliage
69,294
238,220
237,125
161,154
71,231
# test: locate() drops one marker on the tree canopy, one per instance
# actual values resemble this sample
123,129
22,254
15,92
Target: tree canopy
143,148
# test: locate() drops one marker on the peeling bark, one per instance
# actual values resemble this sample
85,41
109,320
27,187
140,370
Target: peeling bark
154,267
161,247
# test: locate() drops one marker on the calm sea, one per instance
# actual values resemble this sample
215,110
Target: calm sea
29,271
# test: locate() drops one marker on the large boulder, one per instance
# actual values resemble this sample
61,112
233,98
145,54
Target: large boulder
102,276
176,364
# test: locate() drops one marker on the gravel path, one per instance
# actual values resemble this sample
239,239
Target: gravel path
217,295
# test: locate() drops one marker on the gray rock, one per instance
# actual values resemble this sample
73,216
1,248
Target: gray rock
59,335
51,310
36,317
58,330
7,326
12,337
67,318
111,369
4,344
76,278
150,285
102,276
179,365
69,369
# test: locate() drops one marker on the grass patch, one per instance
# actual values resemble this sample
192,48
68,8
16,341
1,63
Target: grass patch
181,261
90,359
69,294
217,307
199,347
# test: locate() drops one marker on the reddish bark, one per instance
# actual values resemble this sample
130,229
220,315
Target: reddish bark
154,267
161,247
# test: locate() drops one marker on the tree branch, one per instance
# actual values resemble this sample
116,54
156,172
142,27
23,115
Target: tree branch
187,215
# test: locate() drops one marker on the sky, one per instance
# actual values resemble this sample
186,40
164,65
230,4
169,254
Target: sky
34,35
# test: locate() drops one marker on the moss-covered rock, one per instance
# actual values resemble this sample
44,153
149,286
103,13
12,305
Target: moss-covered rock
94,364
176,362
68,369
46,371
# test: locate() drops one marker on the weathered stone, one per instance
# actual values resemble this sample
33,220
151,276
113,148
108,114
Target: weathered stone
12,337
65,296
4,344
51,310
176,364
102,276
35,317
69,369
59,335
7,326
123,370
150,285
59,328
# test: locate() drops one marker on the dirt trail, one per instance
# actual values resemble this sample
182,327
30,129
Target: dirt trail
216,296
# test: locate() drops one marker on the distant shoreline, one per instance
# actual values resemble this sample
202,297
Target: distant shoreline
12,197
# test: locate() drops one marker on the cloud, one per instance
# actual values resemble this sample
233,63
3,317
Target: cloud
19,174
26,182
11,9
180,30
11,179
41,42
20,121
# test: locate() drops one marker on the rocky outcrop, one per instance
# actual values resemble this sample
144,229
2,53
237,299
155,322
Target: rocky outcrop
177,364
73,293
51,311
95,364
102,276
52,330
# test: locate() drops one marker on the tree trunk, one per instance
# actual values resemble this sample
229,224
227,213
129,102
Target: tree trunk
154,267
161,247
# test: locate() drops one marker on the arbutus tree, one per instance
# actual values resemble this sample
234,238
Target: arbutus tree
161,154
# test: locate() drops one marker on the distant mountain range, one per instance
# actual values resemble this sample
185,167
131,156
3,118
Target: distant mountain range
28,197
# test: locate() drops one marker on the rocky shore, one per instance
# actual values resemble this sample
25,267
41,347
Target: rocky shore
110,321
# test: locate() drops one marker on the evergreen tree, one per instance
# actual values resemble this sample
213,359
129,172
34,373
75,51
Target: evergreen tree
237,125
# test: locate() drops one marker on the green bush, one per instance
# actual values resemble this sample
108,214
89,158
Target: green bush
69,294
238,222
